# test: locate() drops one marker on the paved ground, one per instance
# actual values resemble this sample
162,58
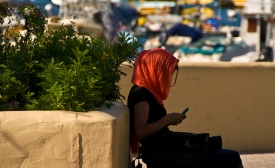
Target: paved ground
259,160
262,160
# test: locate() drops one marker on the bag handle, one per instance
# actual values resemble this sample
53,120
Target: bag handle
139,165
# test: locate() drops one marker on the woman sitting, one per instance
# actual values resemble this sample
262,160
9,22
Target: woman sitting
149,121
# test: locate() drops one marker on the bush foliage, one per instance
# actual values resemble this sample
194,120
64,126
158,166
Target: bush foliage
42,69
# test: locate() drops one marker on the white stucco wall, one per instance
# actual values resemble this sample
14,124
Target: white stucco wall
250,38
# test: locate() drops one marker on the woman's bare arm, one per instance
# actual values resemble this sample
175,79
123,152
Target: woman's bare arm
143,130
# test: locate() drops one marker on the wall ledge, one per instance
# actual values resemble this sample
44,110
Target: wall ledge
65,138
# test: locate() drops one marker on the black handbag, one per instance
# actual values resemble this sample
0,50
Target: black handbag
185,141
176,150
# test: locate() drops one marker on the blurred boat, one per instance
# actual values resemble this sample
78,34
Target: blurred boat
239,3
217,48
45,5
172,43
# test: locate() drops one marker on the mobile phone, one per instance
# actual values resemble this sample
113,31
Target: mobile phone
185,111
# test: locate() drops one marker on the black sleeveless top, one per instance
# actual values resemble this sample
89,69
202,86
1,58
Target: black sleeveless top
156,112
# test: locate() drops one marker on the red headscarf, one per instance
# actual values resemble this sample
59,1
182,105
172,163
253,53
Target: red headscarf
153,69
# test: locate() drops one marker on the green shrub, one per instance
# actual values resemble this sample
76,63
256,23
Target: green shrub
58,70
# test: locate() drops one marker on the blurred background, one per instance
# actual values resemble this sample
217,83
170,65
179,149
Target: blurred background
193,30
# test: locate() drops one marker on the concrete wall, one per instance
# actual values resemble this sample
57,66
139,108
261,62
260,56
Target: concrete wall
234,100
56,139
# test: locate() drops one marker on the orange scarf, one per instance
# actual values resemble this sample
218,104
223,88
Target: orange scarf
153,70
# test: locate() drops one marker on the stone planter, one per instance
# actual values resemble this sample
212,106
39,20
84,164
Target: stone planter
97,139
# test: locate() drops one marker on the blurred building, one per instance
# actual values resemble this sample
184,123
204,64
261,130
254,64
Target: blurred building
258,24
255,16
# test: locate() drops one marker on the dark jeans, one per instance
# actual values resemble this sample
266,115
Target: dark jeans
223,158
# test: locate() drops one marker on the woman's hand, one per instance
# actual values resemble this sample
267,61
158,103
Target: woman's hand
175,118
144,129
